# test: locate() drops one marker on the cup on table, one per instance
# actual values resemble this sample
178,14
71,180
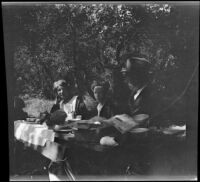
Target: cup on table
79,117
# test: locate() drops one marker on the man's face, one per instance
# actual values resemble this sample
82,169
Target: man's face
126,69
131,71
62,92
98,93
128,65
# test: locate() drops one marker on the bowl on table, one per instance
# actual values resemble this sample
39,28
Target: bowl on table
142,120
139,132
174,129
62,128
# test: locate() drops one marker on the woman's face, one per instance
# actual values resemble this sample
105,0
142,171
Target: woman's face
99,94
62,92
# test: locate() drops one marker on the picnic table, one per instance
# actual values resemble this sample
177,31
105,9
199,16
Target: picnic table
75,138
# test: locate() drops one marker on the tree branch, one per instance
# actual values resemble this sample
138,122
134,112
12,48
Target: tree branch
181,95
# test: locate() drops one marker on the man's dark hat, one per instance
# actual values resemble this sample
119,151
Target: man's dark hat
138,64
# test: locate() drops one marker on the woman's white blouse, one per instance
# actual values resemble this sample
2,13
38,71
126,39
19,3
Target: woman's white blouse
69,107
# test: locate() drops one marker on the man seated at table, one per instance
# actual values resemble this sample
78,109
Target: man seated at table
118,159
137,76
136,72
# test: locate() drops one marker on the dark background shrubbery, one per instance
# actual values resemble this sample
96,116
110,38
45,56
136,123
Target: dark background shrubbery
44,42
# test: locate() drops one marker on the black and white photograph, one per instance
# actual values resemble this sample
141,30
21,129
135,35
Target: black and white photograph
102,90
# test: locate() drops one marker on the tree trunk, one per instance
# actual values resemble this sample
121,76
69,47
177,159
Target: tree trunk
119,48
38,71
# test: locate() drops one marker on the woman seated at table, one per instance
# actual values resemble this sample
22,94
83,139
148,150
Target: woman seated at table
105,107
67,105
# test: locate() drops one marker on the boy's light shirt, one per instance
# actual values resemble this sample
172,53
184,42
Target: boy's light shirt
69,107
138,92
99,107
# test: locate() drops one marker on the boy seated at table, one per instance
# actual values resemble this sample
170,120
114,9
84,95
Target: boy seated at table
105,107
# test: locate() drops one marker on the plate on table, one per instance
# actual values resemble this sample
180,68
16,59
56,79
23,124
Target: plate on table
86,124
174,129
63,131
72,120
60,128
139,130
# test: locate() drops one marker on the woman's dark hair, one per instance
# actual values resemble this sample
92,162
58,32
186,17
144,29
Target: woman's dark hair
104,85
140,64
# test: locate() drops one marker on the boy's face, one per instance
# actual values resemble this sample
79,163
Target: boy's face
98,93
62,92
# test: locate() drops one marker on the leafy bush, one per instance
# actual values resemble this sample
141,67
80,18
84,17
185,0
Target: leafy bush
92,41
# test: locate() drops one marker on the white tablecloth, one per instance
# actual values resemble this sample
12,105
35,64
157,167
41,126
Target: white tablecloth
42,139
34,134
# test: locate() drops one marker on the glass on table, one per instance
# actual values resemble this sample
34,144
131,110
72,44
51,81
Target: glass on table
31,119
78,117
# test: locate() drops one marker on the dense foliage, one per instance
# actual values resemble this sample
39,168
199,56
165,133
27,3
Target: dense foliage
91,41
